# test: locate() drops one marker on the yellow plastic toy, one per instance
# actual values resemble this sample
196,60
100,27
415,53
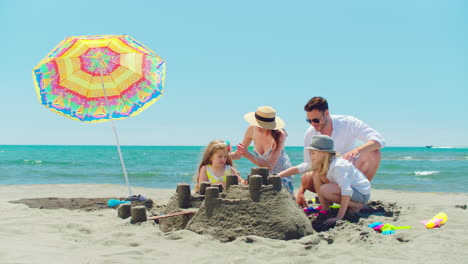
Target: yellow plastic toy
438,220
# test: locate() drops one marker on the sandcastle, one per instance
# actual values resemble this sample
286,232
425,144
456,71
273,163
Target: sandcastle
261,208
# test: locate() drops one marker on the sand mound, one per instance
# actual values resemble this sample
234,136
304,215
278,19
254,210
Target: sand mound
272,214
87,204
66,203
275,216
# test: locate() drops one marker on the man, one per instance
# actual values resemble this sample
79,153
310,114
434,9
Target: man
344,130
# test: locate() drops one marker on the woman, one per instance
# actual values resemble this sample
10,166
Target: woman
267,133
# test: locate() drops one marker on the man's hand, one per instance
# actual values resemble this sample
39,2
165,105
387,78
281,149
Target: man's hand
351,155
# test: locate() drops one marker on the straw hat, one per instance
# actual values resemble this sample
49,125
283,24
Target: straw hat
322,143
265,117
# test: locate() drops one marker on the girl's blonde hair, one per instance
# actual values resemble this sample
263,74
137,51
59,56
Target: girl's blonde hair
210,150
324,165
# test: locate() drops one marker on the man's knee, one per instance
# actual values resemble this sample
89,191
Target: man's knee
369,162
375,156
306,177
307,181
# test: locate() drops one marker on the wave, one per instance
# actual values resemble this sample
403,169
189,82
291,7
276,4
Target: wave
22,162
425,173
40,162
410,158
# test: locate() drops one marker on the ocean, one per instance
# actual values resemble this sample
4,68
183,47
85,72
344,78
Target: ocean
402,168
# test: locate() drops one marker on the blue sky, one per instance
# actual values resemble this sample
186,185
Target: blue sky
400,66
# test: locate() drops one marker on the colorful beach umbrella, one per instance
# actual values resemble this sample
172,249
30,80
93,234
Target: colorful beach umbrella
100,78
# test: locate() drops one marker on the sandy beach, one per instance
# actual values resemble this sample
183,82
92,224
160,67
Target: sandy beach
34,235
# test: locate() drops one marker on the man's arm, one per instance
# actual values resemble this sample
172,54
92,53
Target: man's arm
373,139
369,146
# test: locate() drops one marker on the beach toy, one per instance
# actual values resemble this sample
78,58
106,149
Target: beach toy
115,202
228,143
136,198
322,212
375,224
314,200
310,210
386,229
438,220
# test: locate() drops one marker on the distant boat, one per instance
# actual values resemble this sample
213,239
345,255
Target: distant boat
438,147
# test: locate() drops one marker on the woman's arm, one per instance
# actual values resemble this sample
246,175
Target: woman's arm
273,158
235,155
248,136
279,148
259,162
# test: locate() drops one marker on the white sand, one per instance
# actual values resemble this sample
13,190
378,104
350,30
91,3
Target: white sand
29,235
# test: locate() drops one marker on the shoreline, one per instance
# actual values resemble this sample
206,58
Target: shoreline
32,235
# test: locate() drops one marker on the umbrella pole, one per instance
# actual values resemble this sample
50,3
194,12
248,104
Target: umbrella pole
120,155
116,137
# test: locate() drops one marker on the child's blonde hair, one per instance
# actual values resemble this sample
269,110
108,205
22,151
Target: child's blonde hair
210,150
322,167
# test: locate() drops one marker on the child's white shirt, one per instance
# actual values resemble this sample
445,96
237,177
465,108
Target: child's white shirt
347,176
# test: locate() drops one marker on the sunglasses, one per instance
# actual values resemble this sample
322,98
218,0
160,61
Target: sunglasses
315,120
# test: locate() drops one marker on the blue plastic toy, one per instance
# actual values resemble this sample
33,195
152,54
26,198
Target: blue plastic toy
115,202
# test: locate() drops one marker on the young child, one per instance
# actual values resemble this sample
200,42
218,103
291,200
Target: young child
216,164
337,180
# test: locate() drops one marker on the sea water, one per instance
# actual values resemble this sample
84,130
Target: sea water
402,168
